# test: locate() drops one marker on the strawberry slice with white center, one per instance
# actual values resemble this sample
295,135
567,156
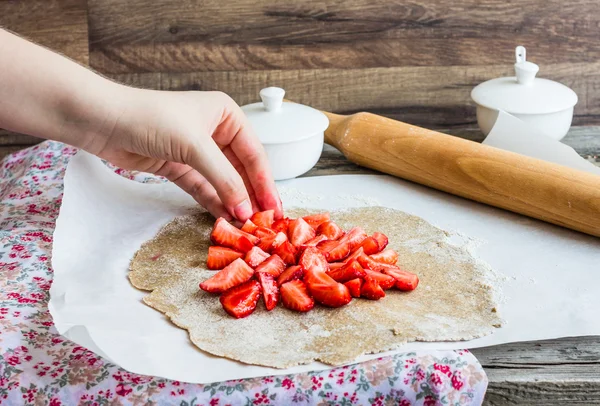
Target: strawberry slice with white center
313,260
227,235
370,289
263,218
354,286
300,232
249,227
274,265
330,230
326,246
405,280
287,252
354,256
269,243
347,244
220,257
270,289
241,301
336,265
294,296
232,275
314,241
351,270
369,263
255,257
385,281
291,273
315,220
263,232
388,256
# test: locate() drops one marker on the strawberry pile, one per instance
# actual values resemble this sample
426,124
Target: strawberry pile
299,262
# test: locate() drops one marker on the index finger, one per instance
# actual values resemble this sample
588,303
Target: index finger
250,152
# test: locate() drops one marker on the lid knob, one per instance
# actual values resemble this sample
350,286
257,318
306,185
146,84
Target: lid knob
524,70
272,98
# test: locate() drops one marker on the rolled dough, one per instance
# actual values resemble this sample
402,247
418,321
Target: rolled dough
454,300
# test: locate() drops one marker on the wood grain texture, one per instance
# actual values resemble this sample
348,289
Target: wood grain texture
432,97
60,25
194,35
535,188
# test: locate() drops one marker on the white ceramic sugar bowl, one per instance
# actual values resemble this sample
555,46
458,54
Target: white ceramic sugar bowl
292,134
542,103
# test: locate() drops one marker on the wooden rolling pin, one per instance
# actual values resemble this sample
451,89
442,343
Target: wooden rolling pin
535,188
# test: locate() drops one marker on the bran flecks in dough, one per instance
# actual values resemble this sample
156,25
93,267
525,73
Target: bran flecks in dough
454,300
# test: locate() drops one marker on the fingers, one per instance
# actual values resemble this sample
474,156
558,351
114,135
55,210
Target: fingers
251,154
242,171
196,186
208,159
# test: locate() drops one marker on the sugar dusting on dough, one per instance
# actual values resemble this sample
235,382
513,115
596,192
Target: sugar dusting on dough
454,301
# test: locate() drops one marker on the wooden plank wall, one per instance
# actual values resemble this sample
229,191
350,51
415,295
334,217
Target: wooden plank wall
412,60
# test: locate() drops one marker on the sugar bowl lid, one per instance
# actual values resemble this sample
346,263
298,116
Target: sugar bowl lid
276,122
524,93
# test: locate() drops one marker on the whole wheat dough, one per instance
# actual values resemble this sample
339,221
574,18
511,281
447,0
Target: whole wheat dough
453,301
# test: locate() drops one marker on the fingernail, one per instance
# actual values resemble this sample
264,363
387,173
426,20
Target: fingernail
243,210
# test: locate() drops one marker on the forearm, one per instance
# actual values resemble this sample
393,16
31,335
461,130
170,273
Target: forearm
49,96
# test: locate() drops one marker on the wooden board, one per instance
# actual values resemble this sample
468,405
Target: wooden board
191,35
432,97
60,25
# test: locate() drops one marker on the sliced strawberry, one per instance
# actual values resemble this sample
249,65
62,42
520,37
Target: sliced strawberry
281,225
315,220
255,256
263,218
314,241
354,256
326,246
232,275
330,230
249,227
240,301
385,281
404,280
287,252
227,235
369,263
312,260
220,257
270,289
336,265
354,286
269,243
294,296
347,244
329,294
388,256
263,232
300,232
382,240
351,270
291,273
274,266
370,289
370,246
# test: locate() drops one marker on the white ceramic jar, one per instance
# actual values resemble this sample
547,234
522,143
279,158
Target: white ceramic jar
542,103
292,134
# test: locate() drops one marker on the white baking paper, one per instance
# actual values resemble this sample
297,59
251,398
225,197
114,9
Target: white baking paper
512,134
551,288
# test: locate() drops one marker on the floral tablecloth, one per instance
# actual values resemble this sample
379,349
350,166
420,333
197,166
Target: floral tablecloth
39,367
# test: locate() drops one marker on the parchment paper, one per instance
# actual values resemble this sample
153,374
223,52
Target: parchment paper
550,289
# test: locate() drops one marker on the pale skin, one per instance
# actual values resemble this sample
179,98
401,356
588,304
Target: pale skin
201,141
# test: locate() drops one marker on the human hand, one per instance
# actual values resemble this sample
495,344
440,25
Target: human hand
201,141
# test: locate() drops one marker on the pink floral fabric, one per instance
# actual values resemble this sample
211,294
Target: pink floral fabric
39,367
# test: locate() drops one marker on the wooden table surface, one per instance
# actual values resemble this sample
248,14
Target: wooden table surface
551,372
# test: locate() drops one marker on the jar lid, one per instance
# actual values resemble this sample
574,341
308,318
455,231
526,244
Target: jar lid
524,93
276,122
